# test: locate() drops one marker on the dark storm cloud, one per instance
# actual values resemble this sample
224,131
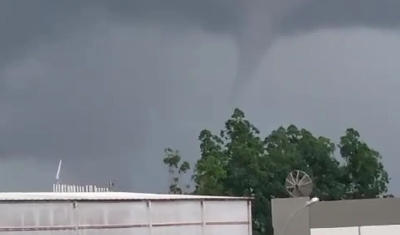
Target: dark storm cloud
265,21
316,15
88,81
253,24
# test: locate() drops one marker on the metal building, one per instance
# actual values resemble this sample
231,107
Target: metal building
112,213
345,217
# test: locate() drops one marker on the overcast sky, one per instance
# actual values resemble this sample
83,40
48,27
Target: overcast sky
107,85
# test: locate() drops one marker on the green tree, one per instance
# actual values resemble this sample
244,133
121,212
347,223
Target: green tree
173,160
239,162
292,148
365,176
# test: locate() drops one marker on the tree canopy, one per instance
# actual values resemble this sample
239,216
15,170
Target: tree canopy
239,162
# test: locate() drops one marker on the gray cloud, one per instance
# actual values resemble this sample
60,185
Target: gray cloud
316,15
253,24
105,85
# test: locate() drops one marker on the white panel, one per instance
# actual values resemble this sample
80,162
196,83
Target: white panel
335,231
226,211
101,213
383,229
176,212
89,213
226,229
115,231
176,230
134,213
60,232
106,218
35,214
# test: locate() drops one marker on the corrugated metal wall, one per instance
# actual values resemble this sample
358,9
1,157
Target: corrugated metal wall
119,218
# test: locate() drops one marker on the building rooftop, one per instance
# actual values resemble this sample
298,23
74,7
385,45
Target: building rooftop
105,196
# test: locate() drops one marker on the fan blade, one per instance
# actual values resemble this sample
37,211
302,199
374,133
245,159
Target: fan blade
290,182
304,179
302,184
291,175
297,193
306,191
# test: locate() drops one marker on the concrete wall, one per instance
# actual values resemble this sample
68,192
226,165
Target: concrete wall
282,209
349,213
347,217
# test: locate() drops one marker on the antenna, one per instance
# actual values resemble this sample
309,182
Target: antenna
58,172
70,188
110,186
299,184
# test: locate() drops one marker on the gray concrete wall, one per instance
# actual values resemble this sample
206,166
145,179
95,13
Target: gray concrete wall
298,224
349,213
333,214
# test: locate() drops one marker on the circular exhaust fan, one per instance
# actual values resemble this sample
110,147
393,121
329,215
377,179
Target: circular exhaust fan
299,184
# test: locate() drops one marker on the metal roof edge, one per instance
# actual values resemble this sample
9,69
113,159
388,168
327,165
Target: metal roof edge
108,196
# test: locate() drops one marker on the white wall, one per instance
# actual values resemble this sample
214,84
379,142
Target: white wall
364,230
380,230
335,231
220,216
119,218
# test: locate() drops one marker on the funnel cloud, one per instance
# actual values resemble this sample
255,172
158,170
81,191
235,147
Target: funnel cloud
106,85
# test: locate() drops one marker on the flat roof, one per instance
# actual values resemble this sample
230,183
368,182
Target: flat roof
107,196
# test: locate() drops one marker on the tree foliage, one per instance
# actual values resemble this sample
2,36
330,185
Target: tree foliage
239,162
176,167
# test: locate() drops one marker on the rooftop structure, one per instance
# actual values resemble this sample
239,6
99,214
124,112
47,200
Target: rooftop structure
120,213
106,196
89,209
344,217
